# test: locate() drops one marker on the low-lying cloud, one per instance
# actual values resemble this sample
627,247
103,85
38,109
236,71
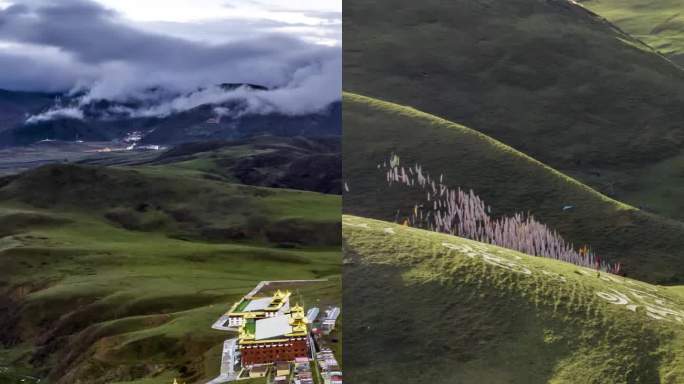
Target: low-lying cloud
56,113
82,47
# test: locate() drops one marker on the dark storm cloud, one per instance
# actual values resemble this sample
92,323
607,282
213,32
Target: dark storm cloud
40,71
94,35
79,43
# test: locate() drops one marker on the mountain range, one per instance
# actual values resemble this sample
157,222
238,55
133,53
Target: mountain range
155,117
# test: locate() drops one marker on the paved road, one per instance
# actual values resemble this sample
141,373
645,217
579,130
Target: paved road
228,362
313,347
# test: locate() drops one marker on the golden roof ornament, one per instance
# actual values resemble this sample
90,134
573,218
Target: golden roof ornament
279,295
298,319
297,309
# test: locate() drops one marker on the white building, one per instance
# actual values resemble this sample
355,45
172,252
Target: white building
258,308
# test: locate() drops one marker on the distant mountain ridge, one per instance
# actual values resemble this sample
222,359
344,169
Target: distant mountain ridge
14,106
29,117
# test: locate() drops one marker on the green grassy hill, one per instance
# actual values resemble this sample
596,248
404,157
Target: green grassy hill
649,246
658,23
441,309
547,77
191,207
116,274
311,164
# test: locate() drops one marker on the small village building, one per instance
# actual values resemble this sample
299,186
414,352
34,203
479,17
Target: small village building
328,326
330,369
258,308
305,375
330,319
258,371
272,339
301,363
304,378
282,368
312,314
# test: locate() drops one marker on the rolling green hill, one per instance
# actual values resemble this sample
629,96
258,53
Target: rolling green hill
115,275
441,309
649,246
311,164
547,77
658,23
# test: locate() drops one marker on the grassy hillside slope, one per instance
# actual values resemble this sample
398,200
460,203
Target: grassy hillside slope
439,309
546,77
189,207
649,246
116,275
312,164
658,23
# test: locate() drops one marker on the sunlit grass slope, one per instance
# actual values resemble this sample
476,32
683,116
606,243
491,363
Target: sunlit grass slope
116,275
659,23
434,308
650,247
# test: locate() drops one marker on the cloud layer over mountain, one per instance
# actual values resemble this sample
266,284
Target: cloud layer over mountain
80,45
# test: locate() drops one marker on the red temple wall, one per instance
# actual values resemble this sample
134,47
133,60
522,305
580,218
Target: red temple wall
272,353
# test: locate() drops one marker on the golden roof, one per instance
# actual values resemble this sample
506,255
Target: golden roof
298,320
297,308
279,295
277,301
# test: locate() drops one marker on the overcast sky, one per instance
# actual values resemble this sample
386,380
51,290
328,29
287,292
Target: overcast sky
118,47
316,20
